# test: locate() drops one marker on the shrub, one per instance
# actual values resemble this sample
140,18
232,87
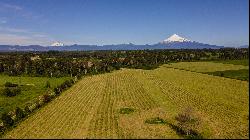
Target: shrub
7,120
57,90
126,110
1,128
222,74
155,120
12,115
11,91
188,123
9,84
27,109
33,107
19,113
47,98
40,101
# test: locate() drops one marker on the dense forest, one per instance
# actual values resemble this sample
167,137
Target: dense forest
58,64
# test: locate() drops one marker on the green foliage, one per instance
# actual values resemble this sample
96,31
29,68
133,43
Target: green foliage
27,109
126,110
19,113
242,74
57,90
2,129
47,98
10,92
9,84
244,62
155,120
7,120
66,84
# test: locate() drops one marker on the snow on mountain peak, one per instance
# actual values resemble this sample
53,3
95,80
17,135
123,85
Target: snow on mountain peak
57,44
175,38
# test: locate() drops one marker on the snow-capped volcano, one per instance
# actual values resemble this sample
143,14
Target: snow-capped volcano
57,44
177,42
176,38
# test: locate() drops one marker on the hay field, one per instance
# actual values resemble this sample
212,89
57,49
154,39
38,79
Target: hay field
205,66
91,108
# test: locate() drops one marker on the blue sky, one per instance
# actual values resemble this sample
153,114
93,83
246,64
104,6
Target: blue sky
220,22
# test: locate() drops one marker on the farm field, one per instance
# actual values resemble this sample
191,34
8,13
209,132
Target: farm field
92,107
206,66
235,69
244,62
31,88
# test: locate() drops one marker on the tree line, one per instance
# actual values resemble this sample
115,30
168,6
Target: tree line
78,63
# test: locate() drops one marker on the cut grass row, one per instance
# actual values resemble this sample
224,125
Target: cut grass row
222,102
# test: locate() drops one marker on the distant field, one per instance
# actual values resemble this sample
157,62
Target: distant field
205,66
235,69
31,87
242,74
92,107
244,62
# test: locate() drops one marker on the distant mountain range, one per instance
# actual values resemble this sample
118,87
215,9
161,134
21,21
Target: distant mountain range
244,46
173,42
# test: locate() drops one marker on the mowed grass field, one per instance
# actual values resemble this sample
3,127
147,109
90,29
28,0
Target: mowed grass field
31,88
91,108
235,69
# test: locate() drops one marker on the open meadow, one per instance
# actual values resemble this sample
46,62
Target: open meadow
126,103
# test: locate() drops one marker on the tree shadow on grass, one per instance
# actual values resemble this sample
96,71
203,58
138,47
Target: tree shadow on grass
192,135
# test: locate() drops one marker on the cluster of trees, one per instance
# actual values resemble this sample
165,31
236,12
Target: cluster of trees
11,118
58,64
11,89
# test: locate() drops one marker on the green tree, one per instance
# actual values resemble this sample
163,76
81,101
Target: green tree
19,113
7,120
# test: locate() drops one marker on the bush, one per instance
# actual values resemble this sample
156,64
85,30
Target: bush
40,101
19,113
1,129
126,110
155,120
27,109
188,124
222,74
9,84
47,98
7,120
11,91
57,90
33,106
